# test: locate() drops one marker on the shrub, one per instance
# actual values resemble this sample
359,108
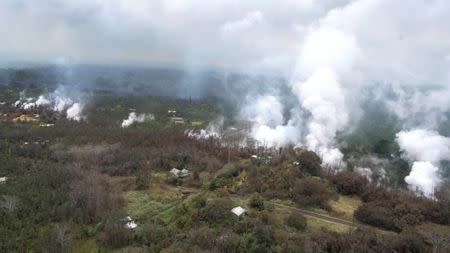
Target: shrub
227,242
217,212
155,234
143,178
174,181
257,202
199,201
373,192
349,182
311,192
202,237
231,172
218,182
114,234
297,221
309,162
391,214
396,210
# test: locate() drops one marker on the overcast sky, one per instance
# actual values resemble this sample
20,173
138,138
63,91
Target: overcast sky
252,34
182,32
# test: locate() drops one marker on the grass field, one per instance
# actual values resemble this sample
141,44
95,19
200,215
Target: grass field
345,206
155,201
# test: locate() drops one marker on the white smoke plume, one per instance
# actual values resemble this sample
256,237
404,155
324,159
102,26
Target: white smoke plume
213,130
327,57
424,177
265,112
426,149
74,112
57,100
136,118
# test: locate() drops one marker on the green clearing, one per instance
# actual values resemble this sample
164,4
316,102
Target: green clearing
345,206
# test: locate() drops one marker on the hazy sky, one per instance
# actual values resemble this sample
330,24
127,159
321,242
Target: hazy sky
250,34
229,33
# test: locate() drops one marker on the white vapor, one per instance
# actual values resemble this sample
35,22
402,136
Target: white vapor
58,101
250,19
426,149
136,118
265,112
326,59
74,112
213,130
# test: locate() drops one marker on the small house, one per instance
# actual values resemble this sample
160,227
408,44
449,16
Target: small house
180,173
177,120
130,224
238,211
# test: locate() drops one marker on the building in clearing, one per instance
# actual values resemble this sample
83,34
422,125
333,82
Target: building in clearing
180,173
177,120
238,211
130,224
3,180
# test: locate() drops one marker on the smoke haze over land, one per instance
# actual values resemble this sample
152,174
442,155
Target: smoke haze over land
300,71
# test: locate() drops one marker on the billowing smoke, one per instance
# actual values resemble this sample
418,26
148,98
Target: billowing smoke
330,54
136,118
326,58
426,149
58,101
214,129
266,114
74,112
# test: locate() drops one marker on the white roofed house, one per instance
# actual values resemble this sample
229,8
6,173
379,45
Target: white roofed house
180,173
130,223
3,180
238,211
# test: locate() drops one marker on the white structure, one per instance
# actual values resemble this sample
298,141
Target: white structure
130,223
180,173
3,180
239,211
46,125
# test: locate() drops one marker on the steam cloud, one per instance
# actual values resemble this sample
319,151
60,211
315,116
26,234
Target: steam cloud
266,112
136,118
426,149
57,100
330,52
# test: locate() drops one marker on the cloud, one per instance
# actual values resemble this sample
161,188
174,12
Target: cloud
182,33
248,21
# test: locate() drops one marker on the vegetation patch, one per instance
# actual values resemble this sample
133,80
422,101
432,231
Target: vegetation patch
141,204
345,206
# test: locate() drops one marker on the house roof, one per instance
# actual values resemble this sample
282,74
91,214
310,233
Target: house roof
238,210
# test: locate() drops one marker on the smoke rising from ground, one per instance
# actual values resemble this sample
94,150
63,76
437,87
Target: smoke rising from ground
136,118
328,54
426,149
59,100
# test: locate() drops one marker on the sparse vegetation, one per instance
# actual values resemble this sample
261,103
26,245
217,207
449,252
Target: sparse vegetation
71,187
